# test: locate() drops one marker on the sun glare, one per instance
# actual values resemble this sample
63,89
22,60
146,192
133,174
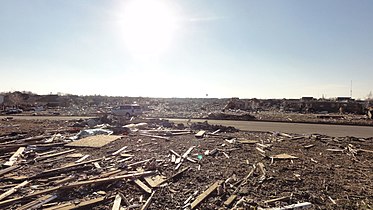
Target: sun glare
149,27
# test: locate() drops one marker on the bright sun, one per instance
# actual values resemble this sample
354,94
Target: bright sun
149,26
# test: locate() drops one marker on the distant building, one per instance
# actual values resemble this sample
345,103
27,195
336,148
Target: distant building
307,98
344,99
2,99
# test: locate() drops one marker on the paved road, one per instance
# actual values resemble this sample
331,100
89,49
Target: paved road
299,128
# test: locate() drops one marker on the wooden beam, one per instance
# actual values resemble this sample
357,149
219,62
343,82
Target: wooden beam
205,194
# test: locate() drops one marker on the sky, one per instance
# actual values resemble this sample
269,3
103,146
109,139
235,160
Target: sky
188,48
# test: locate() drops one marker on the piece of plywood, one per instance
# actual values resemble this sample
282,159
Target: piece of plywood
200,134
94,141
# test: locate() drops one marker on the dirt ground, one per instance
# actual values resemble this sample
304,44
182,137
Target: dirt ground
328,172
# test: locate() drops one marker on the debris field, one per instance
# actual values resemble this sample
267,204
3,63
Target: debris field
155,164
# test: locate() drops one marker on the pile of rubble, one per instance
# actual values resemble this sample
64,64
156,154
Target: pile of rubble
154,164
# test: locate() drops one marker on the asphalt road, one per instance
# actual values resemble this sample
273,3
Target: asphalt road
298,128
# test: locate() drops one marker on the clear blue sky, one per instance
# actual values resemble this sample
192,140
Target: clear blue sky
188,48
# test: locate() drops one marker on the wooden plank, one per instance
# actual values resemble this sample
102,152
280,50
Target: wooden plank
7,170
82,158
200,134
36,204
283,156
54,155
187,152
83,204
15,156
117,201
119,150
183,157
40,192
94,141
230,200
13,190
175,153
205,194
147,203
65,180
154,136
109,179
143,186
276,199
304,205
247,141
68,166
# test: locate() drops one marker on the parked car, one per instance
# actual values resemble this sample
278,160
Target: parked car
127,110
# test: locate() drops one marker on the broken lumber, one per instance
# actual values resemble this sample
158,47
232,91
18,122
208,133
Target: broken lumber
205,194
40,192
154,136
109,179
82,158
283,156
13,190
54,155
63,168
36,204
15,156
119,150
147,203
304,205
184,156
7,170
117,201
83,204
200,134
155,181
143,186
230,200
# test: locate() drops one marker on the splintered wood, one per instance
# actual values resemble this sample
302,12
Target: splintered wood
15,157
94,141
